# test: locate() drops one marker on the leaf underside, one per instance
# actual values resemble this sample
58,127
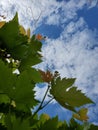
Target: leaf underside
67,95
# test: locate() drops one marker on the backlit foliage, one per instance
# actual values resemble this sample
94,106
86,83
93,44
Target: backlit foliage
19,52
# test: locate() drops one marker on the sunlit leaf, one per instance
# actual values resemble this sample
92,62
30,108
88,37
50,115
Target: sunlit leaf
44,118
81,114
2,23
22,30
13,103
39,37
28,32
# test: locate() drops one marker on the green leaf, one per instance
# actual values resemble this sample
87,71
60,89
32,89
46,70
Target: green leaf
20,52
29,61
32,56
28,33
68,98
81,114
2,119
21,125
35,44
23,93
34,121
7,79
22,30
2,23
44,118
93,127
34,75
4,98
73,125
13,123
50,124
8,122
10,35
76,98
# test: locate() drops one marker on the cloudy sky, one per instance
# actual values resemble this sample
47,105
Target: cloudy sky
71,46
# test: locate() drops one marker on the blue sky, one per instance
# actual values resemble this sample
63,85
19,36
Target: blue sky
71,46
90,16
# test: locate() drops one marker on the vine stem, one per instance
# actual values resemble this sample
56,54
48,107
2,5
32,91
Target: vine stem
41,105
47,103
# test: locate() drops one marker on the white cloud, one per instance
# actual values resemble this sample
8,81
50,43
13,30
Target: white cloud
40,92
53,19
29,10
32,12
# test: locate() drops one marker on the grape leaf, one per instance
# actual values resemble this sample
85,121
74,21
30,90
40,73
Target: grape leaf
22,30
2,23
21,125
32,56
29,62
68,98
28,53
46,76
10,34
73,125
8,122
19,52
23,93
7,79
17,88
35,45
50,124
4,98
13,123
44,118
81,114
77,97
34,75
93,127
28,33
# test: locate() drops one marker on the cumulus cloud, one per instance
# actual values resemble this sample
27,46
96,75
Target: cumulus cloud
40,92
32,12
